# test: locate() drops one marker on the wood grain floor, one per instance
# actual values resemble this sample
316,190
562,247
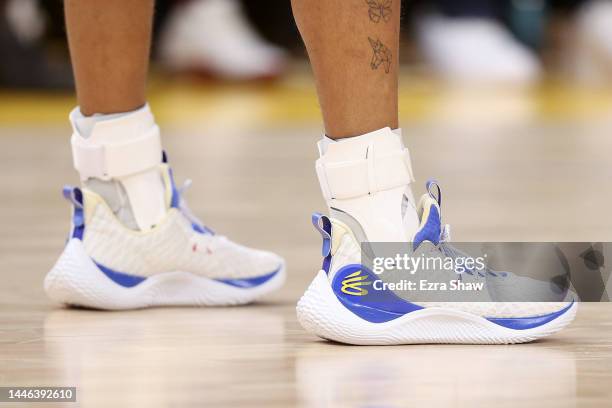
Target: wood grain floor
509,175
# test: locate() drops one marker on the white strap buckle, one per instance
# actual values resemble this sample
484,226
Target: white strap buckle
350,179
118,159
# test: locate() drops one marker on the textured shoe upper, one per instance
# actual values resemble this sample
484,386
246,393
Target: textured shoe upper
178,243
346,251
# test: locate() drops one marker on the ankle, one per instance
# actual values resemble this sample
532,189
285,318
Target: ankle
368,178
118,157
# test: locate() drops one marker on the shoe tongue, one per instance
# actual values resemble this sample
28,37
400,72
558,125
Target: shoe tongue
172,192
174,199
410,217
430,227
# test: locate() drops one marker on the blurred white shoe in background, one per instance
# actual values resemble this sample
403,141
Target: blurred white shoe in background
592,58
213,37
476,51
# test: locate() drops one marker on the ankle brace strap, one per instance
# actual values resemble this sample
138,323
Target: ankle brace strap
356,178
118,148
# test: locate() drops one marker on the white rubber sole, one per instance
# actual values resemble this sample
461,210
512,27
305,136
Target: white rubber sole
76,280
320,312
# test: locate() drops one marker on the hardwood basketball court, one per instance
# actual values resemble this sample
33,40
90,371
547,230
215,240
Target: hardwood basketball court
536,167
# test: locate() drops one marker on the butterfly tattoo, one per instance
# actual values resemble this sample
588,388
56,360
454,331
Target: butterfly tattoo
379,10
381,55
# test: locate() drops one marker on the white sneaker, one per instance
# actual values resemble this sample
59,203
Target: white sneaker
479,51
345,303
213,36
366,183
592,57
177,262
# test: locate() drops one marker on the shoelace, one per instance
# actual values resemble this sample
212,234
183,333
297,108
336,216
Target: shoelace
186,211
445,234
450,251
444,243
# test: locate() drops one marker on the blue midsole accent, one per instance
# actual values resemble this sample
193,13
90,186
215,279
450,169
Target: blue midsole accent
375,315
523,323
247,283
380,306
371,314
122,279
375,306
129,281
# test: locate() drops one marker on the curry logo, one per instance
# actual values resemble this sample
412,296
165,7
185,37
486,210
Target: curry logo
353,284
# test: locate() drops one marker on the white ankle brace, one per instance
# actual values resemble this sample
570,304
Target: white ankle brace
326,140
125,148
367,177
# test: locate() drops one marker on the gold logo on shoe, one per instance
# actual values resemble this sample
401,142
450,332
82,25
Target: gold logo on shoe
353,284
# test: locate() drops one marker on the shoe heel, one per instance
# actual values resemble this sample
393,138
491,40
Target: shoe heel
76,280
319,312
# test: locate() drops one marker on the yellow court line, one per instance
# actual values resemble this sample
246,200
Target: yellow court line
293,101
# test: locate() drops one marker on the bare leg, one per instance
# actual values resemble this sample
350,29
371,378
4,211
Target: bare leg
353,49
109,45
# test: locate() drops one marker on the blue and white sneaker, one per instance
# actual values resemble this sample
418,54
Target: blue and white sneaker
106,265
341,304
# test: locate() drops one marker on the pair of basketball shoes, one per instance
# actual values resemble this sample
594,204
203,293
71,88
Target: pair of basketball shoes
366,182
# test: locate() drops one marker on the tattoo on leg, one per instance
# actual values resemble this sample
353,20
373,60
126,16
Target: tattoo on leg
381,55
379,10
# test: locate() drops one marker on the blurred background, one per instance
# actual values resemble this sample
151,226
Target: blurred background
514,42
551,55
210,45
